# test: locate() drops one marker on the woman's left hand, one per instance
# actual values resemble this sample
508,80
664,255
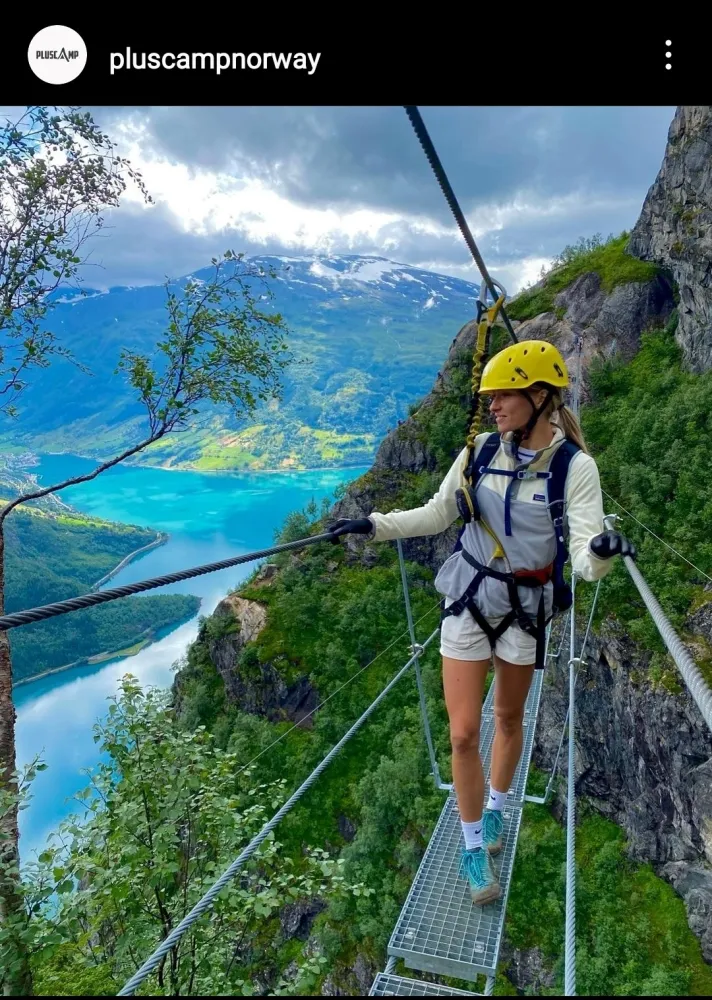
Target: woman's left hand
611,543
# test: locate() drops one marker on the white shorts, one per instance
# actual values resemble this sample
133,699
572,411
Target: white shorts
461,638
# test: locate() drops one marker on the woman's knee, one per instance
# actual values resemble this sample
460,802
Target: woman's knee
509,722
465,737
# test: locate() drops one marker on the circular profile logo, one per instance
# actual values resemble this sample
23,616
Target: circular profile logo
57,54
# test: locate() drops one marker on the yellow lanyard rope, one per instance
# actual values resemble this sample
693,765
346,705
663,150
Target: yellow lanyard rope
481,348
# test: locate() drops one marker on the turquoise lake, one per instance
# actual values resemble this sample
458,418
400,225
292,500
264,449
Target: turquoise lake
210,517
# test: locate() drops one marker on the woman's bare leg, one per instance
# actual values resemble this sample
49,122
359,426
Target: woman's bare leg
463,684
512,683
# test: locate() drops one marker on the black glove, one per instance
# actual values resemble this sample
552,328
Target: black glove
344,526
610,543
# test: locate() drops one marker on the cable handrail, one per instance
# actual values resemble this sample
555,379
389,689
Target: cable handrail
691,673
87,600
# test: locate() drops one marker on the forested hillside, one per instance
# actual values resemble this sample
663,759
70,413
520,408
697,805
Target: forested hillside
54,556
366,335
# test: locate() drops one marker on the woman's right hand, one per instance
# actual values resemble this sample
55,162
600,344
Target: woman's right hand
345,526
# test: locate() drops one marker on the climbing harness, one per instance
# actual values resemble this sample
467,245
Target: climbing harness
555,476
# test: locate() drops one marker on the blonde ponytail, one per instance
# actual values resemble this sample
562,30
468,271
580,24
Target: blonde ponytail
571,427
560,414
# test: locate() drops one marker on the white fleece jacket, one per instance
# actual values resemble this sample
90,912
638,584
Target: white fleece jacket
584,506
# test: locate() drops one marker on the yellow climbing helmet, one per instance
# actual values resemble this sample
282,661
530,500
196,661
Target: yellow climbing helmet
523,364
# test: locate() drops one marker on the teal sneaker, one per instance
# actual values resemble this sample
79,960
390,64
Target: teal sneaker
476,868
492,825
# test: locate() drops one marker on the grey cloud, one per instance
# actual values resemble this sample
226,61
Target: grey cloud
347,158
354,157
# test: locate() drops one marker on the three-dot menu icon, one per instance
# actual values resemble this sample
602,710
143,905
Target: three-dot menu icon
668,54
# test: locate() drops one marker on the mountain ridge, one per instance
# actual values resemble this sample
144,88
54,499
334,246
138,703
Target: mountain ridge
367,333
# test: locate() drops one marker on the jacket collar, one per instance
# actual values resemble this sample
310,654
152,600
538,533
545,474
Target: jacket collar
542,457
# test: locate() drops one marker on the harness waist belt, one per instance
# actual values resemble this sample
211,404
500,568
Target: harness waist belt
524,577
518,578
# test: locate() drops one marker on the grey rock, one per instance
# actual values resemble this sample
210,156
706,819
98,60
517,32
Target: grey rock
364,973
296,919
694,884
700,621
261,689
675,228
644,753
526,968
266,573
354,981
347,828
610,323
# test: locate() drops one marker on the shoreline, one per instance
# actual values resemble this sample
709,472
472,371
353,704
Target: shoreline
219,472
142,641
161,539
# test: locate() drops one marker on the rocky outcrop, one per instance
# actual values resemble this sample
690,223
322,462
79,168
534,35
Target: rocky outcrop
644,752
675,228
526,969
610,323
694,884
255,687
354,981
296,919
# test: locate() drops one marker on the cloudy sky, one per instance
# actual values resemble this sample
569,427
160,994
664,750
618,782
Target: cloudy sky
293,180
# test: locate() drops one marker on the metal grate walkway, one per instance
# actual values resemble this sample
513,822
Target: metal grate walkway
439,930
395,986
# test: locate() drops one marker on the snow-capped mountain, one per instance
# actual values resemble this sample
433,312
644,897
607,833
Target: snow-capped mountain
375,332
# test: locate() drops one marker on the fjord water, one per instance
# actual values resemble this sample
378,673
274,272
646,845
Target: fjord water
210,517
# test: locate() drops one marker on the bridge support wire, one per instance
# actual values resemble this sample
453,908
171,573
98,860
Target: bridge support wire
696,683
416,650
570,943
541,800
202,905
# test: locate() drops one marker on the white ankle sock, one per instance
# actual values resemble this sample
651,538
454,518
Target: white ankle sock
496,800
472,833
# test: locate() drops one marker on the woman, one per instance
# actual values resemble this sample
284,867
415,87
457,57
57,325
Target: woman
500,574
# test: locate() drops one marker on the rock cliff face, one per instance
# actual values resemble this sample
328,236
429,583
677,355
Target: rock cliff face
675,228
609,323
644,758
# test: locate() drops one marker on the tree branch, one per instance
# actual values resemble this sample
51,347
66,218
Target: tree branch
81,479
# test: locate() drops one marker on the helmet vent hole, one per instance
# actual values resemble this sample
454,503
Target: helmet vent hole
525,352
543,349
513,379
